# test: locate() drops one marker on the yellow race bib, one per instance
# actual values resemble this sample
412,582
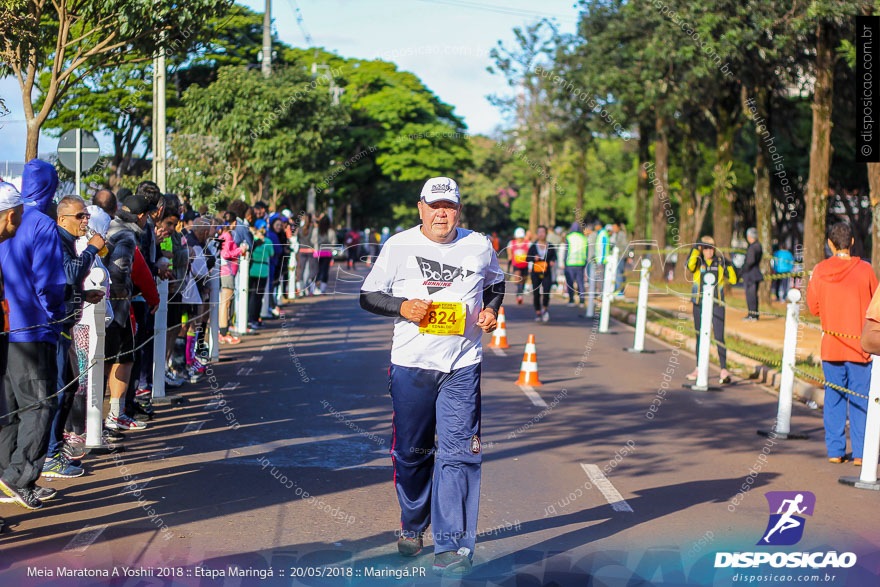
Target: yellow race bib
444,318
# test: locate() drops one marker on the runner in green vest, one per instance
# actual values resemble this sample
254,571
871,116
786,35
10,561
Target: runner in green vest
575,260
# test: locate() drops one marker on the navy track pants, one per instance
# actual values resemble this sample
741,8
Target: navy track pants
437,485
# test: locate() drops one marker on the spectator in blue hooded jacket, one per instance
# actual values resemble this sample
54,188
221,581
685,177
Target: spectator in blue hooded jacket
33,270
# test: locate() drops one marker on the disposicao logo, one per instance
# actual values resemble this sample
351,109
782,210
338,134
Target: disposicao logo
786,525
785,528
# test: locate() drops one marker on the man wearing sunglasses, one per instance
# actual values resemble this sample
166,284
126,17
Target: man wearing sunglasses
73,222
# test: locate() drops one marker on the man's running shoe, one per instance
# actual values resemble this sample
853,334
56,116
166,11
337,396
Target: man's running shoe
74,438
545,316
59,467
73,450
408,546
692,376
144,394
229,339
453,563
44,493
21,495
123,422
519,299
111,435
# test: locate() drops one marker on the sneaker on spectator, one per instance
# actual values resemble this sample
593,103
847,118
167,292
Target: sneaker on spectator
60,468
194,374
73,450
44,493
143,394
110,434
74,438
21,495
145,408
172,381
123,422
138,415
229,339
132,423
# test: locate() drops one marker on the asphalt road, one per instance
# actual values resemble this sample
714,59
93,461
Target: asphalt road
285,467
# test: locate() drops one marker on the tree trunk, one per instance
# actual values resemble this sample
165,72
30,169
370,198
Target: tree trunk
661,196
763,196
690,219
820,150
33,140
722,208
581,187
533,213
642,203
544,206
874,182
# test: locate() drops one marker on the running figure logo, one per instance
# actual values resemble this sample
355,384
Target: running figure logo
786,526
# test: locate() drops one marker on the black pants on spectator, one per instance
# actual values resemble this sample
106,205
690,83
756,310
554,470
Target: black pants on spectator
323,269
143,357
256,289
717,330
539,281
24,437
751,288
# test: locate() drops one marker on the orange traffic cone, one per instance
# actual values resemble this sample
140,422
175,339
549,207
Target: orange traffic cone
499,337
528,372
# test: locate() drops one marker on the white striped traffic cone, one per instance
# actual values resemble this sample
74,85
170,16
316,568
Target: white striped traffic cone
528,372
499,337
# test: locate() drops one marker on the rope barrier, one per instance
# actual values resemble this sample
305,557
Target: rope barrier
85,372
773,276
827,383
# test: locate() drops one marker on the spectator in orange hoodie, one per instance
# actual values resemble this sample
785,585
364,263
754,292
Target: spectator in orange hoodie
839,292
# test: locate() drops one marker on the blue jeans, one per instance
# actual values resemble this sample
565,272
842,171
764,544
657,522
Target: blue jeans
575,275
445,493
65,398
855,377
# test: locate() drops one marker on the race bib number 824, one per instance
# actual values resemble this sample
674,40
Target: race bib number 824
444,318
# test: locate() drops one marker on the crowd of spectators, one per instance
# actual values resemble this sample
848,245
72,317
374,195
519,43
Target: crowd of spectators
62,259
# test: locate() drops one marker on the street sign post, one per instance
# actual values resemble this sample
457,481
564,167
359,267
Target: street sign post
78,151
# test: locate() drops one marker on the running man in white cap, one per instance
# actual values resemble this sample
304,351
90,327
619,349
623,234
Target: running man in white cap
444,287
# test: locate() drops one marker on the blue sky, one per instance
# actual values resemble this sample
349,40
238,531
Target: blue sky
444,42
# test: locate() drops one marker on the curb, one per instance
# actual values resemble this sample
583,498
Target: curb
760,373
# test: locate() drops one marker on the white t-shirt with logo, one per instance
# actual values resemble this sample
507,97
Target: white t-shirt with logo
411,266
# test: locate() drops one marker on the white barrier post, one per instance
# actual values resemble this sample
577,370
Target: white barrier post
642,310
241,308
608,277
782,429
159,334
214,300
291,275
702,383
591,290
871,454
95,390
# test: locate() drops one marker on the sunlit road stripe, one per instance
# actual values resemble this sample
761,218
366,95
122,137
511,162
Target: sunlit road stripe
533,395
499,352
618,504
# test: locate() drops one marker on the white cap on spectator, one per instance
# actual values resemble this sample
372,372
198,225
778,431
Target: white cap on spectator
10,197
99,220
440,188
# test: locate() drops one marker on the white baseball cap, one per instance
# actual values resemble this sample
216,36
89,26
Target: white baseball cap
10,197
440,188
